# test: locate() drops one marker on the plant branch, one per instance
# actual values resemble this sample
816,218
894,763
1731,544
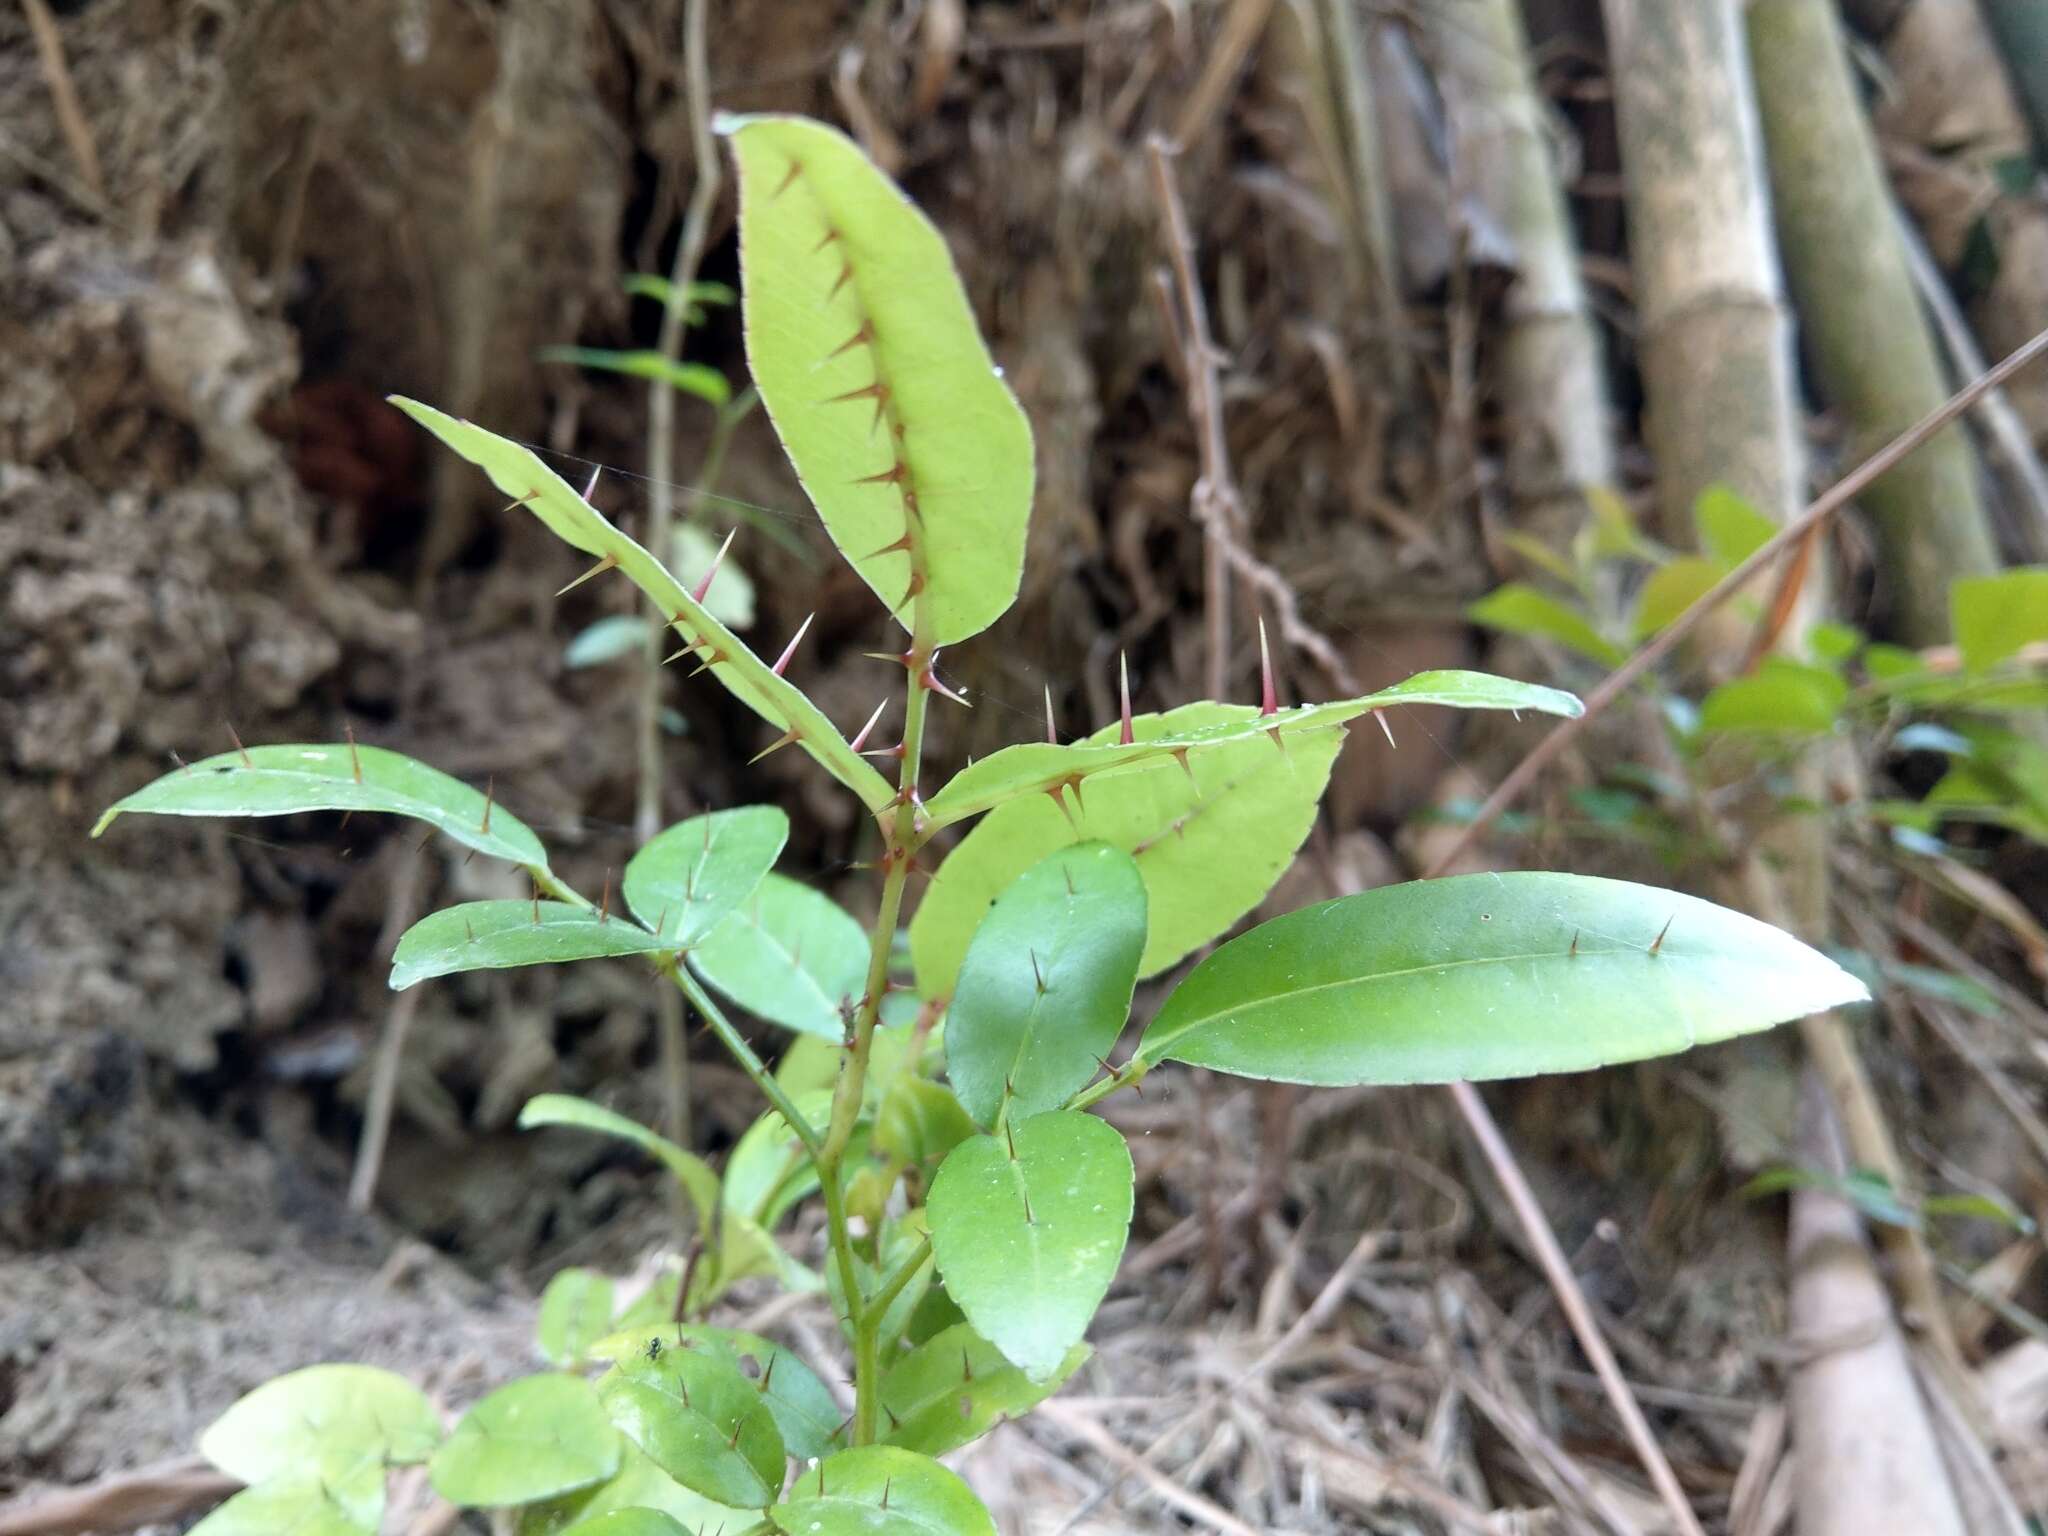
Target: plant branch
1823,507
743,1053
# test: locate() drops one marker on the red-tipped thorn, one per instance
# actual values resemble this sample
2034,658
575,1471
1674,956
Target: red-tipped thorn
1381,716
859,338
1269,698
789,650
1658,943
247,761
929,679
595,471
607,563
774,746
901,658
1123,676
895,752
490,794
862,739
704,586
1052,735
355,761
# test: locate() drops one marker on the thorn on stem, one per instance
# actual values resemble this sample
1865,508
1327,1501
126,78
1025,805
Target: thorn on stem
606,564
1381,716
1052,736
861,740
519,501
788,736
789,650
1060,800
1269,697
704,586
595,471
1123,668
929,679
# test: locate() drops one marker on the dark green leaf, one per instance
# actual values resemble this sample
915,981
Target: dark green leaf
949,1390
498,935
802,1405
1487,976
880,1490
1028,1244
1047,982
688,878
536,1439
701,1422
281,781
790,955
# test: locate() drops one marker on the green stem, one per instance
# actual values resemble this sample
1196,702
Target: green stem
899,840
1122,1077
892,1287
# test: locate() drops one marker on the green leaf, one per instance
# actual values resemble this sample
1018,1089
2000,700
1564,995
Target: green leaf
701,1422
640,1485
802,1406
1046,985
498,935
647,285
628,1522
953,1387
1730,529
575,1312
1487,976
520,473
1995,616
730,597
1671,590
902,1241
690,877
768,1170
304,1505
1210,840
1614,527
538,1438
788,954
1781,696
706,383
1037,767
284,780
920,1122
880,1490
1028,1244
690,1171
1834,642
326,1421
1520,609
609,639
847,287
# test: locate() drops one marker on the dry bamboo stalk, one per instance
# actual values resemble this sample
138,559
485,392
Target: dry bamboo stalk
1870,346
1548,370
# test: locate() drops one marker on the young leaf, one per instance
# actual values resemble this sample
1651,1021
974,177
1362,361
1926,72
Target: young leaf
303,1505
1029,1243
690,1171
1046,984
283,780
768,1170
539,1438
688,878
871,367
1036,767
498,935
701,1422
332,1422
639,1485
698,379
1995,616
1730,528
575,1312
788,954
920,1121
1210,839
880,1490
802,1405
948,1391
1671,589
1487,976
520,473
1520,609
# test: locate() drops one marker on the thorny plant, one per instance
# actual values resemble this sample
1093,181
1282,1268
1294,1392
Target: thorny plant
935,1099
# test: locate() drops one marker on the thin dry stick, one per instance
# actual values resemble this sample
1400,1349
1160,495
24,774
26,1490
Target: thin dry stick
383,1096
64,96
1241,29
1823,507
1215,500
661,406
1129,1462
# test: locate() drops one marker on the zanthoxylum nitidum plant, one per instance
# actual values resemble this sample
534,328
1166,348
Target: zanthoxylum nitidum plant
937,1105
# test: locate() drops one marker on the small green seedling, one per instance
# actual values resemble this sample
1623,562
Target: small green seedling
936,1096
